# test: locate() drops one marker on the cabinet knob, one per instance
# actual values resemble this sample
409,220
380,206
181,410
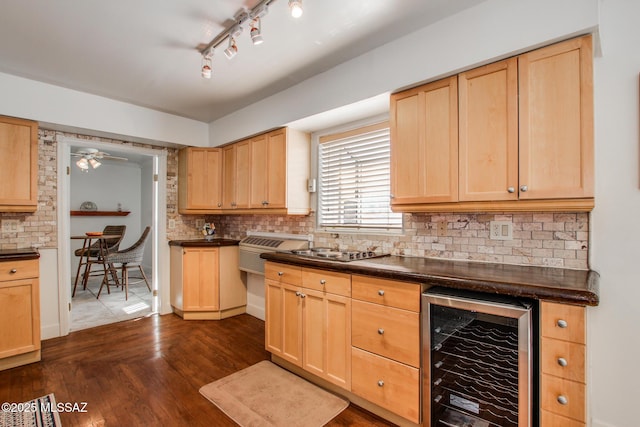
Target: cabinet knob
524,188
280,273
219,204
13,271
303,296
381,292
562,323
391,196
511,190
323,282
562,400
380,383
297,293
381,331
562,361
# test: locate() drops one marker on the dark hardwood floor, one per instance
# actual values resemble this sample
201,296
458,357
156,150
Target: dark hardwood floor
147,372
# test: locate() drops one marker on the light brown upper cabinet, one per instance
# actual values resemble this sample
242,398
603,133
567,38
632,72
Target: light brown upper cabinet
269,170
18,165
489,132
199,180
236,161
525,136
556,121
424,148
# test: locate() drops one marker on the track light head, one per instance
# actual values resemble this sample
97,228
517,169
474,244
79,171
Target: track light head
256,32
206,64
296,8
232,50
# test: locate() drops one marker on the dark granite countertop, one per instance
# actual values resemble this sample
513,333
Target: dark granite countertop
553,284
219,241
18,254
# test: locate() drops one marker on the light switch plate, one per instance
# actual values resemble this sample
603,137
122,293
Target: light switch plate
10,225
501,230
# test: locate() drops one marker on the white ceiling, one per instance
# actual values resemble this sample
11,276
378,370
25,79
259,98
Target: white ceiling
145,52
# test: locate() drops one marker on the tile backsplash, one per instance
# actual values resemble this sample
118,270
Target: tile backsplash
540,239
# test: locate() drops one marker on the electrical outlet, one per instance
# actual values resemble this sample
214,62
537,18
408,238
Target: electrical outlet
501,230
199,223
172,224
10,225
442,229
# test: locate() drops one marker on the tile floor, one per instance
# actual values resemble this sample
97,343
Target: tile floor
87,311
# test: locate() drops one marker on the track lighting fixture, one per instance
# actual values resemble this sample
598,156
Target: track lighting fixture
231,51
296,8
231,33
256,32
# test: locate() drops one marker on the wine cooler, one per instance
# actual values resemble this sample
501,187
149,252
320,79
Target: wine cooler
477,360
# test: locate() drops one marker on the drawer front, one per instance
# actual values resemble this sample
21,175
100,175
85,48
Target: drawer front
549,419
562,322
386,383
16,270
386,292
327,281
388,331
563,359
283,273
554,388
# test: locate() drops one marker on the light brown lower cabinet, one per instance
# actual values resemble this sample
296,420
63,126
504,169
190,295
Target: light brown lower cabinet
307,327
206,283
19,313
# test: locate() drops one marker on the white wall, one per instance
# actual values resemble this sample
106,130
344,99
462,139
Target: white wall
146,206
49,302
614,336
77,111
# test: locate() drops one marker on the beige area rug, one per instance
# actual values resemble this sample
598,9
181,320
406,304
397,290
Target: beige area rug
266,395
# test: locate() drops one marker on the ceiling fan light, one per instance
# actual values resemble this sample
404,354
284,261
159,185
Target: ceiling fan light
296,8
232,50
94,163
82,163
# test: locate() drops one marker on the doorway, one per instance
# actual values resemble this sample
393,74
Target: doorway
149,209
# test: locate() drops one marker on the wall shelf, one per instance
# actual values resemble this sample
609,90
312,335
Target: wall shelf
99,213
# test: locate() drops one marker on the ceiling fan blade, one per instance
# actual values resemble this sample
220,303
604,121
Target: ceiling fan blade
107,157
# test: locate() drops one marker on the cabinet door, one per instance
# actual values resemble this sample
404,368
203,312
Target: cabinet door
19,317
259,171
201,291
229,177
327,336
277,169
243,174
424,144
283,321
18,165
556,121
489,132
203,179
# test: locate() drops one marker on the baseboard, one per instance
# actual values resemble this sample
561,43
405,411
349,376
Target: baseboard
256,311
50,331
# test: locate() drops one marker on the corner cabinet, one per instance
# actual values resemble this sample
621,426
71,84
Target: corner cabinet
18,165
525,131
199,180
206,283
19,312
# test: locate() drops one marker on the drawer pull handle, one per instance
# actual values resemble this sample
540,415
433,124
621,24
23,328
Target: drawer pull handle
562,361
13,271
562,323
323,282
280,273
562,400
380,383
381,331
381,292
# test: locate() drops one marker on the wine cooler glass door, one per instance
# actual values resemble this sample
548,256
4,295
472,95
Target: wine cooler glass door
477,362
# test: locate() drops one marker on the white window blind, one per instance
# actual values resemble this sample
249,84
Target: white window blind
355,181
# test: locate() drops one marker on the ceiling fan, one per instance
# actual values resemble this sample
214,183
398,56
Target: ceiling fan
92,156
